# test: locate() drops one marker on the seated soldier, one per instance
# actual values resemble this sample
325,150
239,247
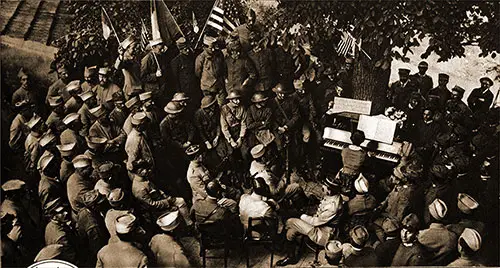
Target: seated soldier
353,158
361,206
386,249
410,252
469,244
356,254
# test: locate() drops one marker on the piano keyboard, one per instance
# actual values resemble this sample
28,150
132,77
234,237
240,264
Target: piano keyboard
339,139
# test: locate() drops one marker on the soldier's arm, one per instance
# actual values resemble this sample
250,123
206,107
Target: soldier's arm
294,116
321,219
198,65
199,127
251,122
243,129
133,154
157,204
225,128
147,75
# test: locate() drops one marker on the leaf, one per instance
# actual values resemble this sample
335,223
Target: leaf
386,65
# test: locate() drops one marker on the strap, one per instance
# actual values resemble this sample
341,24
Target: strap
210,214
281,109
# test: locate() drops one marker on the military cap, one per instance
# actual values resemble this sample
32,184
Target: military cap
458,89
411,222
125,224
92,197
207,101
138,118
487,80
208,40
234,94
193,149
55,101
35,120
333,251
115,197
81,161
359,235
443,76
472,238
390,226
259,97
423,64
466,203
53,204
132,102
361,184
71,118
13,185
258,151
156,41
106,167
168,221
95,142
49,252
45,161
181,43
145,96
173,108
66,149
280,88
104,70
180,96
86,95
127,42
438,209
90,70
98,111
403,71
73,85
47,138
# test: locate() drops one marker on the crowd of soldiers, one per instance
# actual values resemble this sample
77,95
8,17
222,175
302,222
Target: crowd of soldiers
114,175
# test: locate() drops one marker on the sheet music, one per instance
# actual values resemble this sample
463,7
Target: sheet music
377,128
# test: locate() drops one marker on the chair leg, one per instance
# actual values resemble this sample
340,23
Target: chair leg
272,257
316,256
226,250
247,254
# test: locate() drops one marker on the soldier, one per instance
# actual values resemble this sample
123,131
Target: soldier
105,90
91,227
386,250
59,230
154,71
139,153
118,115
75,102
50,186
183,71
210,69
469,244
55,120
58,87
286,67
26,92
265,65
79,183
441,90
399,92
166,250
120,205
32,144
11,257
133,106
184,101
197,174
422,80
130,66
468,216
48,147
95,152
480,99
455,103
71,134
91,79
240,71
243,32
233,121
425,134
67,152
103,127
439,187
260,121
108,179
89,101
308,126
317,227
410,252
356,254
123,252
437,240
361,206
18,128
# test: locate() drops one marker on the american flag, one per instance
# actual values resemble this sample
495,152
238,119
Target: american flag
224,16
144,36
346,45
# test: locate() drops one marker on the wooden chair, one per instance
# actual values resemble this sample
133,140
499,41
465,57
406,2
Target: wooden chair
213,236
267,230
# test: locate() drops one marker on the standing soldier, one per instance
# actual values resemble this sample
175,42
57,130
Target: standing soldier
89,101
183,72
480,99
50,187
18,128
118,115
423,81
240,71
344,79
105,90
91,79
27,91
55,120
399,92
59,230
32,145
154,71
103,127
265,65
244,31
209,68
233,121
259,121
441,90
129,64
75,102
139,153
79,183
58,87
67,152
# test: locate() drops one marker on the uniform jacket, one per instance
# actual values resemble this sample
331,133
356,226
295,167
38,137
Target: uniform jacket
386,250
183,71
86,86
113,133
66,170
328,209
137,148
105,93
18,133
176,131
361,204
73,105
110,220
458,106
76,187
233,121
423,82
131,76
443,93
203,208
477,105
91,232
55,123
49,189
253,205
86,118
168,252
440,243
207,125
197,176
265,66
399,93
366,257
258,119
401,201
22,94
238,72
58,88
56,233
32,150
121,254
413,255
289,114
148,74
149,196
210,70
459,227
118,116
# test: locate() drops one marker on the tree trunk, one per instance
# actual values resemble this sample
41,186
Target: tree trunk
370,83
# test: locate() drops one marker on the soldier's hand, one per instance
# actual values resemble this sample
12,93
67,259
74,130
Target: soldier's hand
281,130
226,203
209,146
216,141
238,142
158,73
234,144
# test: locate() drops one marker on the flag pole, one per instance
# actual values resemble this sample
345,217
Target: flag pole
206,22
359,45
154,55
110,23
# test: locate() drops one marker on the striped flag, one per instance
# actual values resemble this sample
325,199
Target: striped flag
346,45
224,16
144,36
163,24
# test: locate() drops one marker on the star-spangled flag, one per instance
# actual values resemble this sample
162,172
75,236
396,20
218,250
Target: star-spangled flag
224,16
144,36
346,45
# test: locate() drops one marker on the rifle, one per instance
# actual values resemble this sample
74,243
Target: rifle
287,142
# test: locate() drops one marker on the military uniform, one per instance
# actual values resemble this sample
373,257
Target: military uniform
183,70
48,190
410,255
110,220
58,88
151,83
113,133
32,150
22,94
443,93
131,76
265,66
86,118
76,187
70,136
386,250
399,93
465,262
175,132
66,170
18,133
360,208
60,233
105,93
55,123
203,211
137,148
121,254
168,252
210,70
198,177
118,116
86,87
258,119
480,100
233,121
439,242
91,232
423,82
208,129
150,198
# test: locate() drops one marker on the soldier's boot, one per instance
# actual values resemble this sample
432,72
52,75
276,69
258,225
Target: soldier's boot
292,254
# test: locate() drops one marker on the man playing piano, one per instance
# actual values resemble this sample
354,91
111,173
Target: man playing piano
353,157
